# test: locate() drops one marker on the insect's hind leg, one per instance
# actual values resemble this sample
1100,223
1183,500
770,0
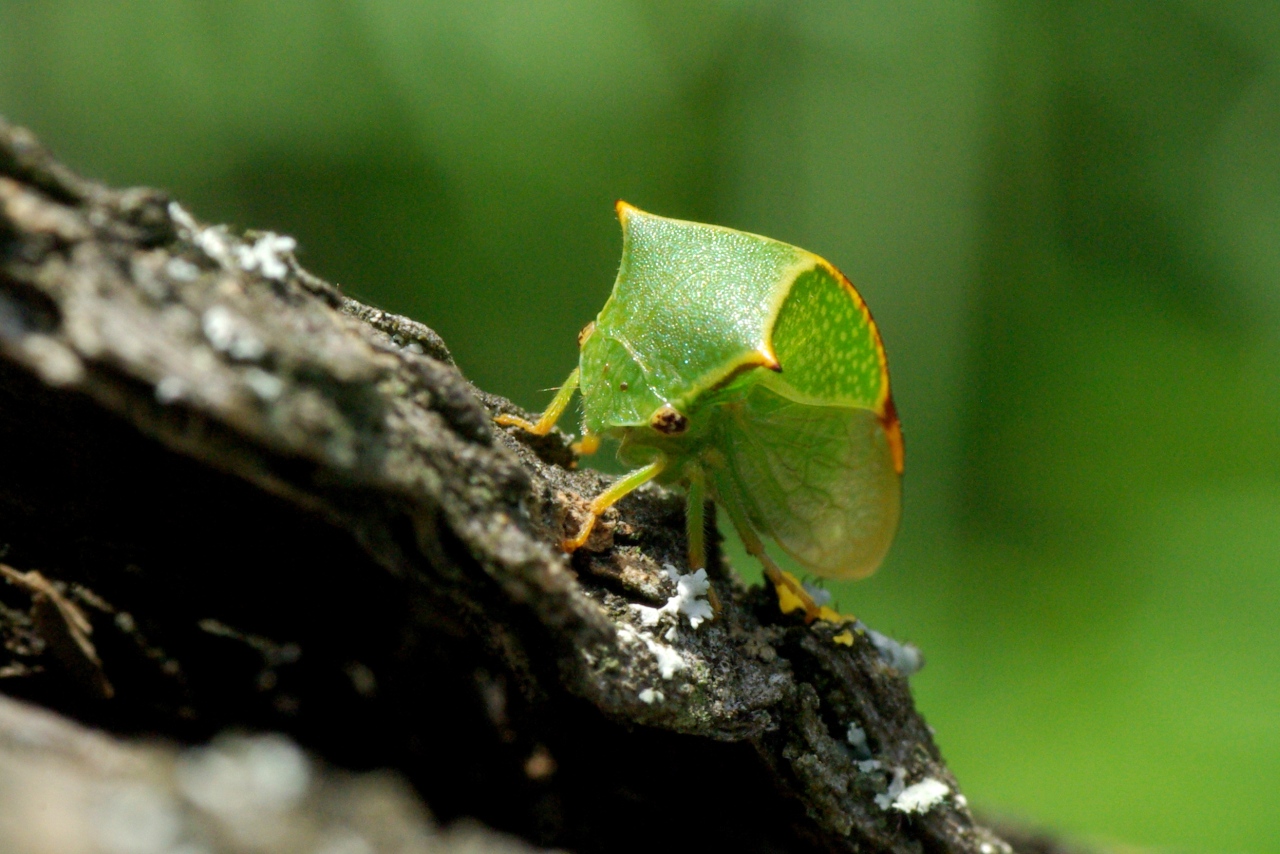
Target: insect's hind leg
611,496
791,594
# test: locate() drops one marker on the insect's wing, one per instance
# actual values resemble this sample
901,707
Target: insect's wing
820,480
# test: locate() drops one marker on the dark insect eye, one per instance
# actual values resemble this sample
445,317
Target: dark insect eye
668,421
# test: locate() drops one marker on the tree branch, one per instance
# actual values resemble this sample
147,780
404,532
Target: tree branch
281,509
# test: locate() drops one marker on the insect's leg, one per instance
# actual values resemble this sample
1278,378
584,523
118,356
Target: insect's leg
611,496
696,519
553,411
783,582
696,528
587,445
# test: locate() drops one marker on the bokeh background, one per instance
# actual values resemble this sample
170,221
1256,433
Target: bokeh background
1066,217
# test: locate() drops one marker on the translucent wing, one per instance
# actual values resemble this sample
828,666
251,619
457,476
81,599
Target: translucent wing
820,480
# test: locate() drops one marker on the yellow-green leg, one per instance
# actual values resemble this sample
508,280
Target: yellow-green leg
611,496
695,519
791,594
552,413
696,528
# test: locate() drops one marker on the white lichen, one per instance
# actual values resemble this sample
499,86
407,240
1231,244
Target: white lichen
184,220
651,696
669,661
215,242
903,657
267,255
921,797
689,599
649,616
897,786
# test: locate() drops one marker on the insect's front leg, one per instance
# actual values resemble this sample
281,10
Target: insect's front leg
552,413
611,496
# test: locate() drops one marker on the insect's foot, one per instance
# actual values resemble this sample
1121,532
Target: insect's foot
793,597
791,594
586,446
505,420
576,542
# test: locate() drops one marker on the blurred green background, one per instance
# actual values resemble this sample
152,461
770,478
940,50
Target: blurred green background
1065,216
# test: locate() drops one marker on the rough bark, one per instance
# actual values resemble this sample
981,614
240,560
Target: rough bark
65,789
232,497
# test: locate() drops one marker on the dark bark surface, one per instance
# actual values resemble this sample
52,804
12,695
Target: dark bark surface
233,498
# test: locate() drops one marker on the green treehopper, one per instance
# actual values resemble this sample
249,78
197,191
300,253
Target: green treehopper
751,372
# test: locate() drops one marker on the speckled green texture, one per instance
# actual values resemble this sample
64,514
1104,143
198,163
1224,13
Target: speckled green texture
691,304
825,341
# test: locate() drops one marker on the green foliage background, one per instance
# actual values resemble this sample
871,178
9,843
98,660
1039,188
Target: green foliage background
1066,217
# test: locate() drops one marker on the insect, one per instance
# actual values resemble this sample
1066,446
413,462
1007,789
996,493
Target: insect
751,372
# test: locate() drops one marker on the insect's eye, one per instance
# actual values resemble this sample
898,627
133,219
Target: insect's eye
668,421
586,333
